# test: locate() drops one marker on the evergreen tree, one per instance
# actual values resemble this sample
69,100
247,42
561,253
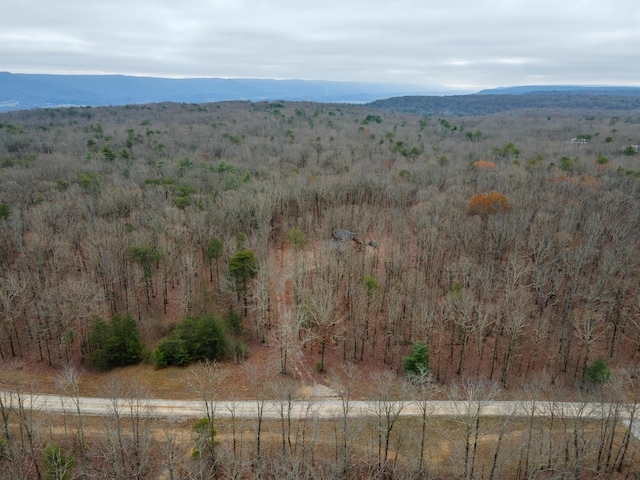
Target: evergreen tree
416,365
242,268
115,345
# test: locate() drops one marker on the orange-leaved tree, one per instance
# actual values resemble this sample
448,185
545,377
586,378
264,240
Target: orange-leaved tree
486,203
483,164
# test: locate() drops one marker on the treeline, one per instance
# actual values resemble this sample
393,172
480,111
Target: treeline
491,104
157,211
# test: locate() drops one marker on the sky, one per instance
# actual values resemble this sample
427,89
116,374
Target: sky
459,44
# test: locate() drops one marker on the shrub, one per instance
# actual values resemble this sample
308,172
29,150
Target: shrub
234,322
210,339
416,365
182,202
296,239
195,338
567,163
598,373
205,438
5,211
115,345
57,463
171,351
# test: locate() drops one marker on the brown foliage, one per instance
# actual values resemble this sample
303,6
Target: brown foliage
486,203
484,164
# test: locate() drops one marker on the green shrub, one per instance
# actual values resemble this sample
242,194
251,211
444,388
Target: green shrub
416,365
182,202
195,338
205,438
5,211
567,163
171,351
296,239
57,464
115,345
210,339
234,322
598,373
61,183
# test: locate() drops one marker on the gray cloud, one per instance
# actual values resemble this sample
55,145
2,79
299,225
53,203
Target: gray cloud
471,44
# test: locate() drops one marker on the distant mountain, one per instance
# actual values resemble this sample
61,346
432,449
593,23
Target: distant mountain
564,90
26,91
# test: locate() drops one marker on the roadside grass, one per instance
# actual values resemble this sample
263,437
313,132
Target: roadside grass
504,446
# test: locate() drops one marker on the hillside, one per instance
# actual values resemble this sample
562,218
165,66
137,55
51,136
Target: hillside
506,243
497,101
84,185
564,90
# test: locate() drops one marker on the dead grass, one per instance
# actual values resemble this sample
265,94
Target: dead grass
443,454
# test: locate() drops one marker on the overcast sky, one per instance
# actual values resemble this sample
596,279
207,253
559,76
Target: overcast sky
459,44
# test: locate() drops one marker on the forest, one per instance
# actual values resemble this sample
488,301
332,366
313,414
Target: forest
502,250
491,102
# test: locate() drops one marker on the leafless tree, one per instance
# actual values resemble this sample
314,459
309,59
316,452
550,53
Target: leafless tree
476,396
205,380
388,405
259,381
320,310
127,443
12,299
423,393
69,384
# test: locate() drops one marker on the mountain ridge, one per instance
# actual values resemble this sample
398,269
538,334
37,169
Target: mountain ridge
20,91
26,91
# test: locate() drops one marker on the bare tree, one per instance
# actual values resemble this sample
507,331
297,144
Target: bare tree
533,391
423,394
12,298
173,451
632,384
259,381
320,309
263,302
350,371
126,448
476,396
284,393
205,380
388,405
290,336
461,309
515,321
69,384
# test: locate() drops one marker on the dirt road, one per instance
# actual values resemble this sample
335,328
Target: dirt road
322,408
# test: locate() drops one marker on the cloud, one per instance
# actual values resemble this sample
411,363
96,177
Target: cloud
480,43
